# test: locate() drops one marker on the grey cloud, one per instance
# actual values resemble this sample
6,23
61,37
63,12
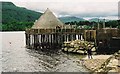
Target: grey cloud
88,9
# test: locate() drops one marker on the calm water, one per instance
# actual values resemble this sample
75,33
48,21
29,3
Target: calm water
16,58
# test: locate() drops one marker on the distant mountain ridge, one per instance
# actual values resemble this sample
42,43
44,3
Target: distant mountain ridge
13,13
71,19
16,18
96,19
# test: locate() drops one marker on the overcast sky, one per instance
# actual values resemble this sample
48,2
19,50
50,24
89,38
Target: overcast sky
79,8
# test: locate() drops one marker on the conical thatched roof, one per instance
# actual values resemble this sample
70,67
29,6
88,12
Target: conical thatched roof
47,21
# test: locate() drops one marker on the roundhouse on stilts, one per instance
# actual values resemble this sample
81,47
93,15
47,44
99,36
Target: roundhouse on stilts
49,32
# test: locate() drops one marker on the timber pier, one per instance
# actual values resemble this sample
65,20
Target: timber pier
49,32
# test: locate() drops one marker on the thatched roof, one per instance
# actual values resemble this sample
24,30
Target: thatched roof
47,21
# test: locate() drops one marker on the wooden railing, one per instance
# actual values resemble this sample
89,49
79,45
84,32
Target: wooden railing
48,31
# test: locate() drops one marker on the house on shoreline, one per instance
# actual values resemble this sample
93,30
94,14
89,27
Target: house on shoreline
49,32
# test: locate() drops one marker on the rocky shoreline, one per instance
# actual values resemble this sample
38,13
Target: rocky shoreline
109,64
78,46
99,63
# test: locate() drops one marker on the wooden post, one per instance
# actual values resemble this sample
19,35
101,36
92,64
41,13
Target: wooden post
61,38
54,38
32,46
65,37
51,40
36,41
28,40
48,41
26,35
41,39
71,37
68,37
80,36
74,36
57,38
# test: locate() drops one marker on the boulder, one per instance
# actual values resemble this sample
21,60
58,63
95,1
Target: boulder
80,51
78,46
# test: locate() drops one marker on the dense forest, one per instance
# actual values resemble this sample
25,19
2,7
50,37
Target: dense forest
90,24
16,18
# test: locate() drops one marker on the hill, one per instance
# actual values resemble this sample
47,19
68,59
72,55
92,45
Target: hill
11,12
70,19
16,18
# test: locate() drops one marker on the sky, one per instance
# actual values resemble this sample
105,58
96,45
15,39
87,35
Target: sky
78,8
